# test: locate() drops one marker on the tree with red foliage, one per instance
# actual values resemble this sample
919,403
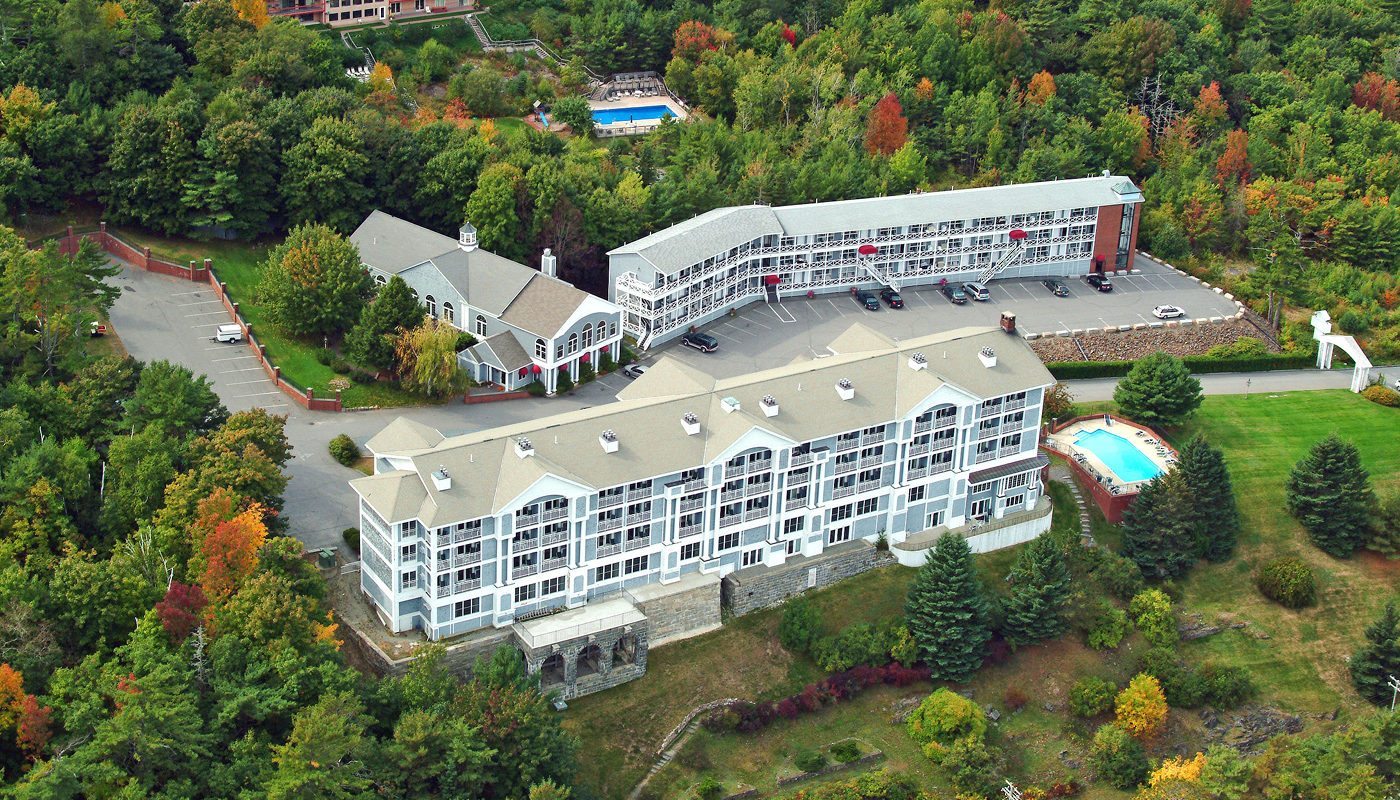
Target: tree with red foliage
34,730
693,38
1210,109
888,129
1233,165
231,552
1373,91
11,697
789,35
180,610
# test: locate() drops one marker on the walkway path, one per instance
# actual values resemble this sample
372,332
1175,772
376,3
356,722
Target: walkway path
1288,380
666,756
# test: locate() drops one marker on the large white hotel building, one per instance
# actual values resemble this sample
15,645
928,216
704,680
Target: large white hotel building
697,270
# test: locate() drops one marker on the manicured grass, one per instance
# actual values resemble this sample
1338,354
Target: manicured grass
239,265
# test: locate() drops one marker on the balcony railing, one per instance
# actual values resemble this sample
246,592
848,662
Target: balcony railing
731,494
551,514
610,500
990,455
945,422
846,444
842,467
521,520
694,485
917,473
758,488
554,537
638,518
553,563
733,470
871,461
1015,405
872,438
637,544
868,486
638,494
798,459
922,425
529,543
523,571
755,513
605,550
609,524
691,503
918,449
688,531
843,491
760,465
729,521
459,560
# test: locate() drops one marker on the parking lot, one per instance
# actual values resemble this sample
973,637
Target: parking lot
761,336
160,318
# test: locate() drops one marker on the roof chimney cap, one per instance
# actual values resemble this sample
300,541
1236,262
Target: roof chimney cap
608,439
441,480
691,423
918,361
524,448
769,404
845,389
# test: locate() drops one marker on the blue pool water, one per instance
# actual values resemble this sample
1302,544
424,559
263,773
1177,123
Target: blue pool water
1128,463
645,114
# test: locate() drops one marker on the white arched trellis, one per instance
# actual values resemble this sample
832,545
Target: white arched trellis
1327,341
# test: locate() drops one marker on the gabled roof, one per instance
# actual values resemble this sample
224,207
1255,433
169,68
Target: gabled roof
403,435
488,474
502,351
544,305
392,245
700,237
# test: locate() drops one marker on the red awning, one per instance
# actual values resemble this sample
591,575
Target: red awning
1016,234
586,358
867,249
771,280
535,369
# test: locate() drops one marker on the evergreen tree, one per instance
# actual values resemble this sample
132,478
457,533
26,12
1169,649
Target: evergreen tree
1040,588
1329,493
393,310
1158,534
947,611
1215,518
1377,660
1158,390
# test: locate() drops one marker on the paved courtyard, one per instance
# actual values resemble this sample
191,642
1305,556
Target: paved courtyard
761,336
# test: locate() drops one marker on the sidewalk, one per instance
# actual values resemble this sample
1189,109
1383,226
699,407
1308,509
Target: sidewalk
1289,380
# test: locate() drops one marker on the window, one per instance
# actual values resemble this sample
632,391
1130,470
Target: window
481,331
587,336
838,535
980,508
841,512
934,519
690,551
752,557
573,343
558,352
606,573
380,280
541,348
868,506
465,608
448,314
408,552
728,541
408,580
794,525
612,329
1016,481
635,565
552,586
523,593
431,304
1016,500
917,493
794,546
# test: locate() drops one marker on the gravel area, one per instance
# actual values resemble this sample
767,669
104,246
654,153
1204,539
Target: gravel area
1188,341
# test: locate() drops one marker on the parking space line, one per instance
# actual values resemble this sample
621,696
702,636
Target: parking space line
245,369
196,303
813,308
245,383
207,324
760,324
833,306
256,394
774,307
182,294
273,405
206,313
232,358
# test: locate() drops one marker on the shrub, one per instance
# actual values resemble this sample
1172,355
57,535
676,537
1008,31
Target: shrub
344,450
585,373
1383,395
1226,686
943,719
1118,757
1118,574
799,626
1109,627
809,761
342,366
858,644
1351,322
845,751
565,382
325,356
972,767
904,649
1141,708
1090,697
537,389
352,539
1014,699
709,788
605,362
1181,685
1288,582
1151,611
464,340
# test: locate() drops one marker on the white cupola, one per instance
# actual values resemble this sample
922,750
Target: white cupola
466,237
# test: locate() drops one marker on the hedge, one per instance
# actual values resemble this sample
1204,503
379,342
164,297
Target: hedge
1070,370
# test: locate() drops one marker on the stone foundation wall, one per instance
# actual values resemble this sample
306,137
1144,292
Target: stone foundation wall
683,613
613,670
761,587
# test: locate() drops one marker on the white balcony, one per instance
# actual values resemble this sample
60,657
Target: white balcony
730,521
872,438
842,467
871,461
868,486
758,488
609,524
919,449
553,563
609,500
525,570
990,455
798,459
688,531
691,503
555,537
605,550
729,495
843,491
846,444
522,520
916,473
551,514
756,513
637,544
694,485
922,425
639,518
733,470
639,494
760,465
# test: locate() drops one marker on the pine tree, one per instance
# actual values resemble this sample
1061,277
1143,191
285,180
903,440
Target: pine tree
1215,518
393,310
1377,660
1040,588
1330,495
1158,390
1158,534
947,611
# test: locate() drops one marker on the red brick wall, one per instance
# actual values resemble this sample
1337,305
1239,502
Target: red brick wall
1106,235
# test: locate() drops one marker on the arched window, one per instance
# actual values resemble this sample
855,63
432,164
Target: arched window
431,304
587,335
573,343
380,280
541,349
447,313
481,329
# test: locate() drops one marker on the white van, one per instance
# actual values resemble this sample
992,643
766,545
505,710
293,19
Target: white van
976,291
228,333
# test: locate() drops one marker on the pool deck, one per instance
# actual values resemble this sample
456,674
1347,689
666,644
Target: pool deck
1144,439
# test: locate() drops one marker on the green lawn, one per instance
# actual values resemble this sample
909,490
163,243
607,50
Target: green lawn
238,264
1299,666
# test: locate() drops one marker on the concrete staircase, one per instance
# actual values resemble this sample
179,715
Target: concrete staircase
1061,473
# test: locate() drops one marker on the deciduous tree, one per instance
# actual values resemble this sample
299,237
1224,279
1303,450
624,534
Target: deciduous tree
427,359
887,129
314,282
393,310
1141,708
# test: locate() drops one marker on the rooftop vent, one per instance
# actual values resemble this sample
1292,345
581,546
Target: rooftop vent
729,404
845,389
918,361
441,480
608,440
769,404
523,448
691,423
988,357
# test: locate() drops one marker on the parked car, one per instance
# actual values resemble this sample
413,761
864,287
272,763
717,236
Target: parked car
1056,288
953,293
703,342
1168,312
868,300
634,371
228,334
976,291
891,298
1099,282
97,329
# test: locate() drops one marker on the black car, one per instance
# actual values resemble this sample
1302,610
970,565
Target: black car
868,300
1056,288
703,342
953,293
891,298
1099,282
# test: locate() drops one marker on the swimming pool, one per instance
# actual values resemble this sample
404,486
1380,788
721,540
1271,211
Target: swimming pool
1128,463
636,114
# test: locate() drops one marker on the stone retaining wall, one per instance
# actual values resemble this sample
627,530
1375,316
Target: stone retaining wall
680,614
761,587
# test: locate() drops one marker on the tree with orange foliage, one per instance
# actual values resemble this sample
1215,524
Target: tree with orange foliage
1377,93
694,38
1179,768
1210,109
924,89
1040,89
11,697
34,730
381,78
230,553
888,129
457,112
1141,708
1233,165
252,11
